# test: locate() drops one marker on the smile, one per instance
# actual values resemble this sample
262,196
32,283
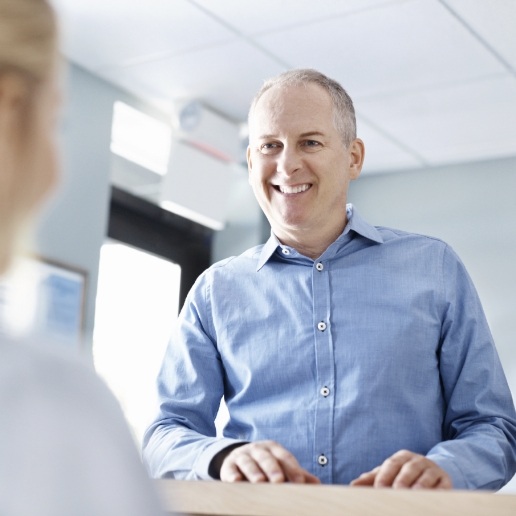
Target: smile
293,189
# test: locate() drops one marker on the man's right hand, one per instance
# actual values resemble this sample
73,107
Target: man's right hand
264,461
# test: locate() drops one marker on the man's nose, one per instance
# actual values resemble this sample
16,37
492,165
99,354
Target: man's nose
289,160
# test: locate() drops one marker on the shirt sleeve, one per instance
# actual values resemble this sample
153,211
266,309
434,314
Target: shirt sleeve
479,427
181,441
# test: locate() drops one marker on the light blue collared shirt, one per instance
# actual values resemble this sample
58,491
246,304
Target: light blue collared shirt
378,345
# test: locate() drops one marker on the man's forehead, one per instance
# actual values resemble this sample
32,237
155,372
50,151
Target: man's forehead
281,93
307,107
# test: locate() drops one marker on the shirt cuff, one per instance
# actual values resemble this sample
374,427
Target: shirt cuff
456,475
202,463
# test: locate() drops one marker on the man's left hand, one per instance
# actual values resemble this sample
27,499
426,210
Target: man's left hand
406,469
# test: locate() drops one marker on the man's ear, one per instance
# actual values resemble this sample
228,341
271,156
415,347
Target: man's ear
356,157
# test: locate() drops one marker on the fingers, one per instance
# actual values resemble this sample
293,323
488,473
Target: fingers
366,479
263,461
293,472
390,473
244,465
432,479
406,469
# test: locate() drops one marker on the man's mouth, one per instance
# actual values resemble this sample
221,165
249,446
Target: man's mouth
285,189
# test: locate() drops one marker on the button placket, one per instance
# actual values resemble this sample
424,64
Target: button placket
323,431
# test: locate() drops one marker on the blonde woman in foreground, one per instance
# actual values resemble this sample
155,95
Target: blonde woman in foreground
64,445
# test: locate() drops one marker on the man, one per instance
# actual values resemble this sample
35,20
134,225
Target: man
345,353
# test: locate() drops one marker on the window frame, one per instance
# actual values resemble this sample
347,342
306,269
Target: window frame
146,226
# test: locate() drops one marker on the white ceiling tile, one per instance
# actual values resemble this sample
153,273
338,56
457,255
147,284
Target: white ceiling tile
389,54
100,33
402,47
225,77
494,21
268,15
381,153
459,123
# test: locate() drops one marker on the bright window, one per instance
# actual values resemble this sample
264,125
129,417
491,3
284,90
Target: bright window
140,138
136,307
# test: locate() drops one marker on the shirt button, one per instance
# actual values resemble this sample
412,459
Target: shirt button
321,326
322,460
285,251
319,266
325,391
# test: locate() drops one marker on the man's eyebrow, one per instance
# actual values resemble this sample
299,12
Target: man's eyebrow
302,135
311,133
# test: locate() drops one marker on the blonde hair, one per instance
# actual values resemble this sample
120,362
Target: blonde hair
343,110
28,38
28,51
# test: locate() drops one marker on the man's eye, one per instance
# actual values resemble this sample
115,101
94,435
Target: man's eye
311,143
269,147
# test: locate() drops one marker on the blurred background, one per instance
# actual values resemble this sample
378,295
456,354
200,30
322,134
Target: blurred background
154,136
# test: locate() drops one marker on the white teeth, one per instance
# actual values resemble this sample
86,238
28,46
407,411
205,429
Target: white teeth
293,189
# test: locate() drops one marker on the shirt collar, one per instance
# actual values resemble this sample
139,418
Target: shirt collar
359,225
355,223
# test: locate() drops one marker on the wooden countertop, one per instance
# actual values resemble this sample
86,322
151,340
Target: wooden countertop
244,499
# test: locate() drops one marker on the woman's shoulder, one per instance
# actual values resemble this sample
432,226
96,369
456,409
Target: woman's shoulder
56,380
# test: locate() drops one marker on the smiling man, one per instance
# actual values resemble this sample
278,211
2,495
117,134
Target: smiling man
300,166
346,353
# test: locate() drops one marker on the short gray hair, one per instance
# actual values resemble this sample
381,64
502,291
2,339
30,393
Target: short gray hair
343,110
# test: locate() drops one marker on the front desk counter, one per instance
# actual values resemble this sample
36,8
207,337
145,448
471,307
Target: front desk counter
197,498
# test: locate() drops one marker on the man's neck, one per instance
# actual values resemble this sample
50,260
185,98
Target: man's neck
311,243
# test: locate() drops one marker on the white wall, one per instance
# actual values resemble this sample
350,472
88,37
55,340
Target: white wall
244,219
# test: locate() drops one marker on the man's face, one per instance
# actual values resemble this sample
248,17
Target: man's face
299,167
